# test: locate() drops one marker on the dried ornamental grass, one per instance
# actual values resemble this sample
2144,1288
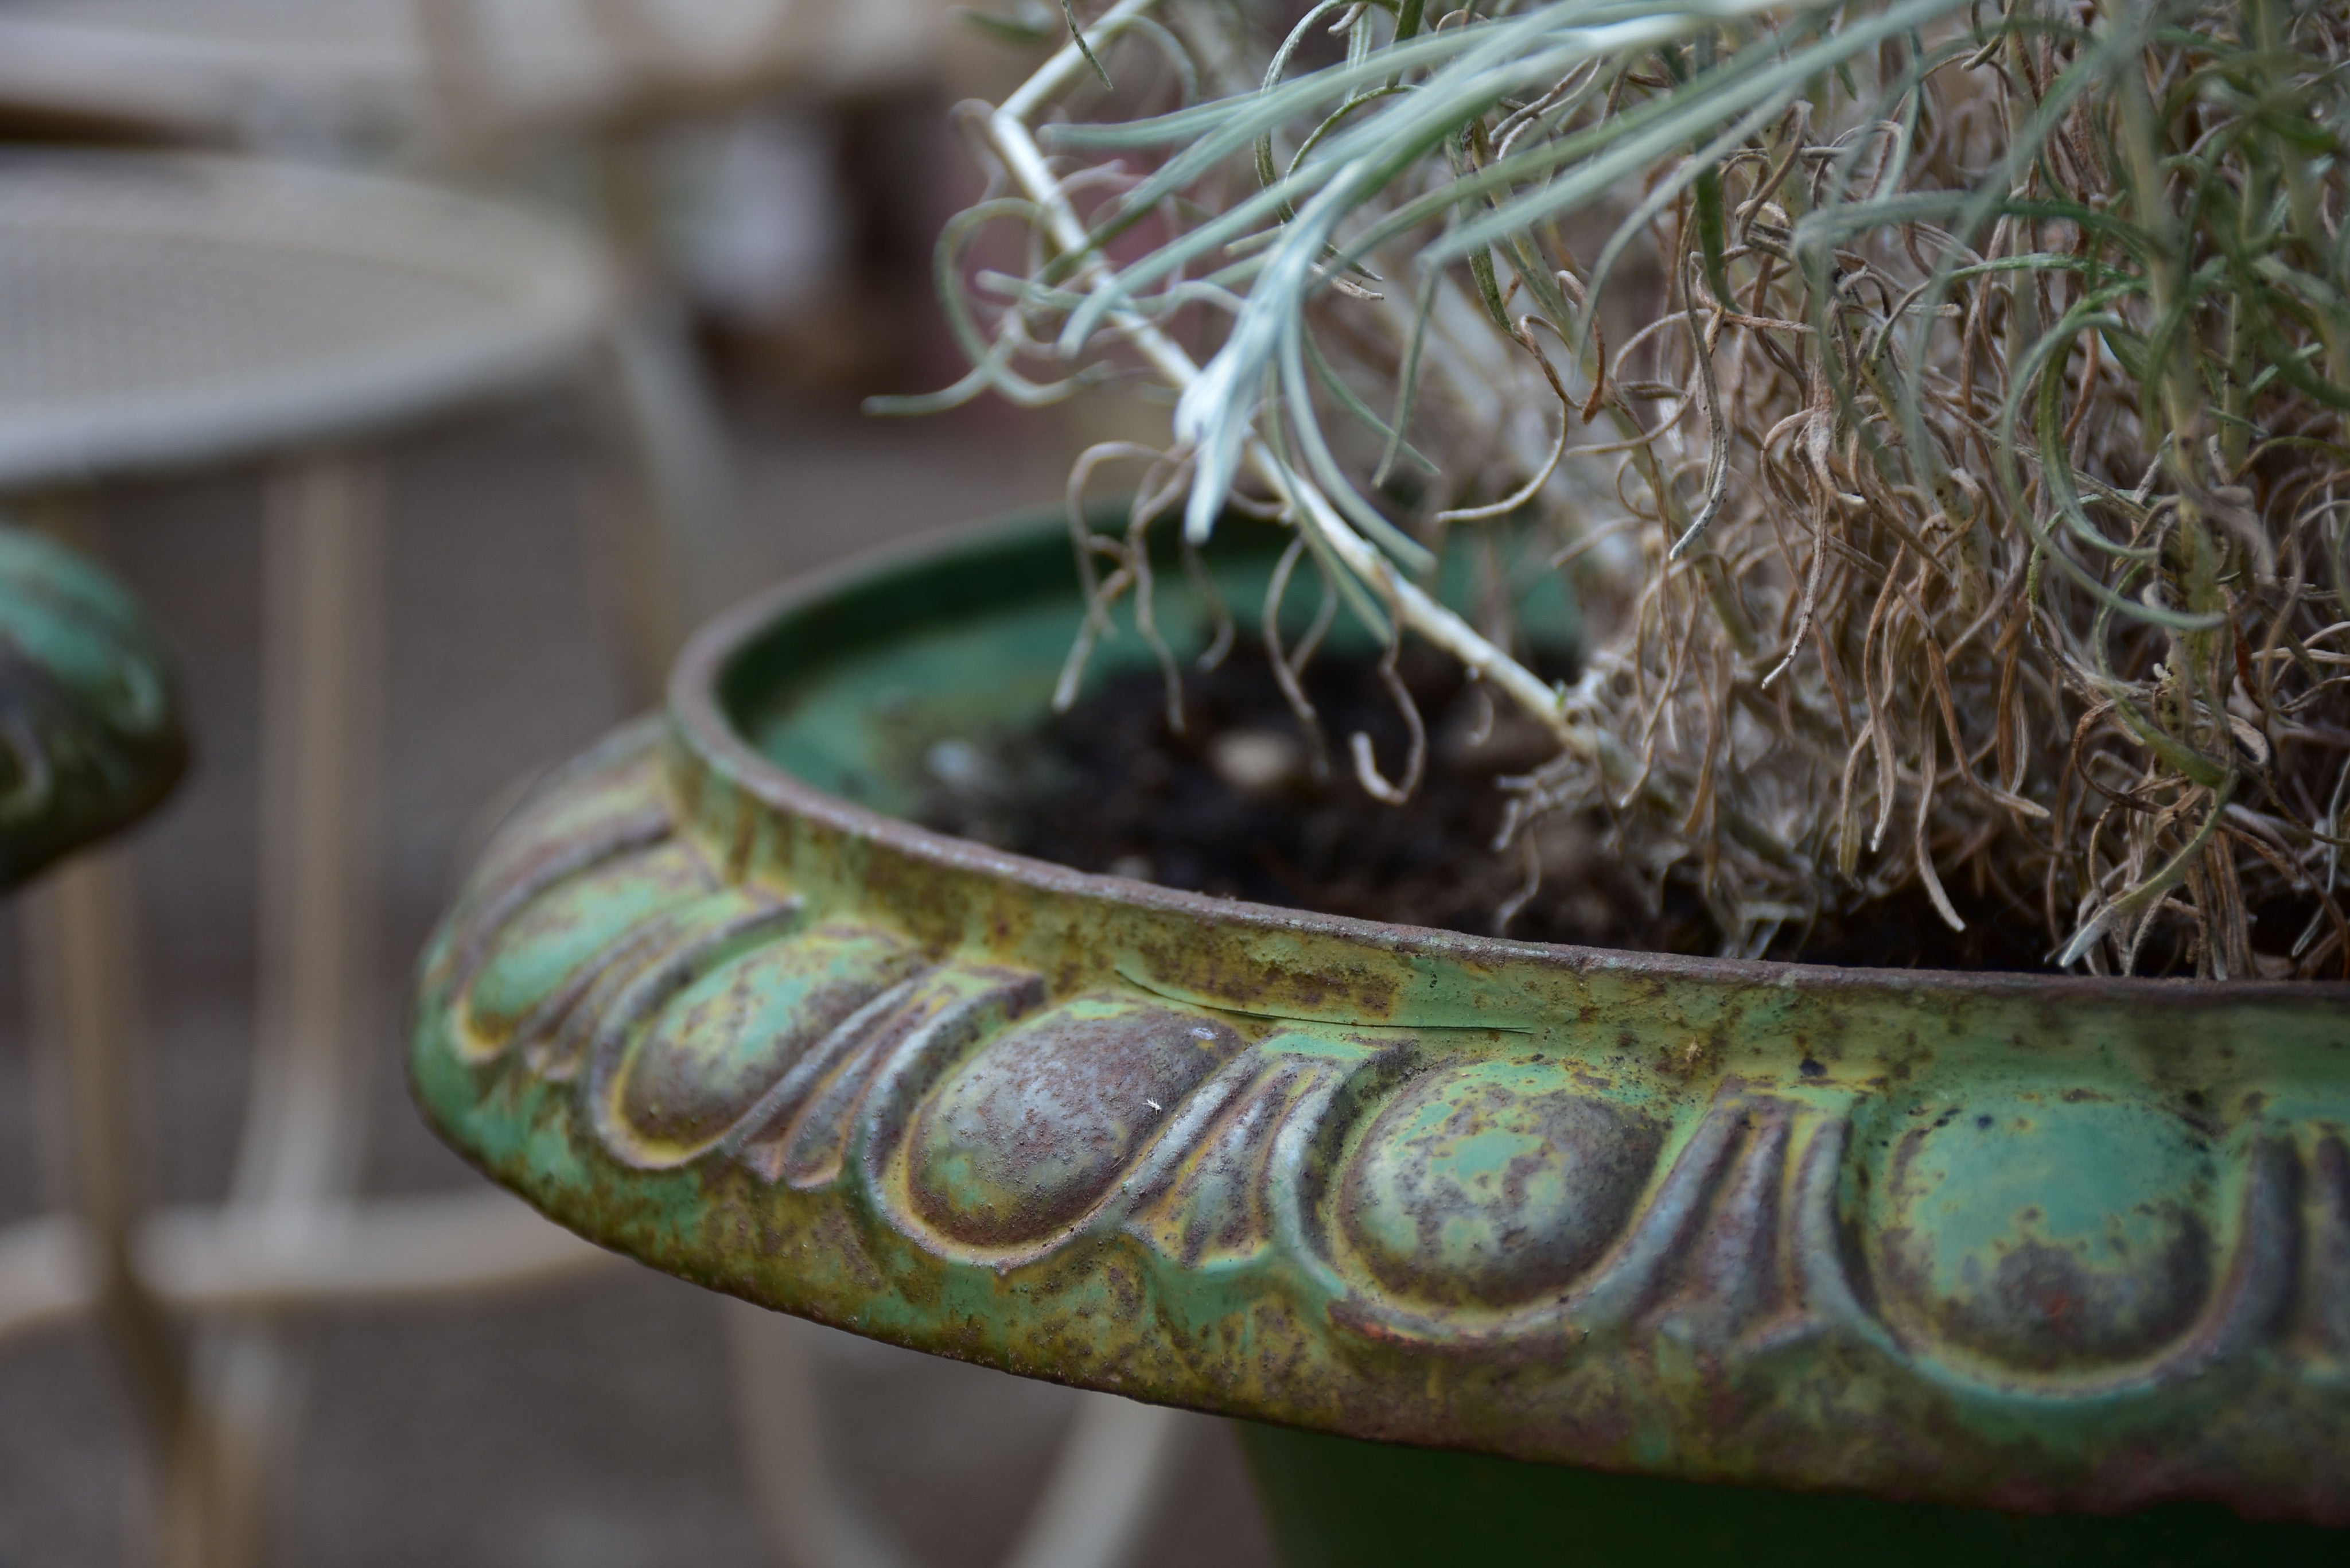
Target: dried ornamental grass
1937,410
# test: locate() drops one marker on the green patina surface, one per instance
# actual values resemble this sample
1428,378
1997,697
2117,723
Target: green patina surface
2015,1242
855,711
89,735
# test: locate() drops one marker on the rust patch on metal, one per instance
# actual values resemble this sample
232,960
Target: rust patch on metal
1030,1133
1493,1184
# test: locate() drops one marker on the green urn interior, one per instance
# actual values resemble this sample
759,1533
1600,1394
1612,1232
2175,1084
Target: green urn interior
1934,1264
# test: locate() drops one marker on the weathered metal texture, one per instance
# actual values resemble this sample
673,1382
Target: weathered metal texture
90,731
2031,1243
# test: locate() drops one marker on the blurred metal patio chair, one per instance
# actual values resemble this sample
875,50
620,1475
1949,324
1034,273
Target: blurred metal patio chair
160,314
463,91
435,83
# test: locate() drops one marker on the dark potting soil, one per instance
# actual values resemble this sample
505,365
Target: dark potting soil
1232,806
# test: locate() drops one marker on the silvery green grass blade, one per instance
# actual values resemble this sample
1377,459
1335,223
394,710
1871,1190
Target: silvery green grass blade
1218,411
1398,137
1700,104
1745,85
1474,67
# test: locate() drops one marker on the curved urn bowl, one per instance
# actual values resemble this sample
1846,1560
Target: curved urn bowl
89,723
2025,1242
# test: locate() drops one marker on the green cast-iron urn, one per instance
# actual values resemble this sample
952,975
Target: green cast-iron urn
1507,1251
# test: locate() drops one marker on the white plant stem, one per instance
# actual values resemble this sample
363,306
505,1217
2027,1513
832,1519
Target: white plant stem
1009,129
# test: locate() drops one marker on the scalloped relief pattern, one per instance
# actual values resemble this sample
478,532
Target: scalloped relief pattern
1434,1194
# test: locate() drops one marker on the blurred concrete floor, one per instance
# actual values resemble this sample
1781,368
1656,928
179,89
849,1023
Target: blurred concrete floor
586,1426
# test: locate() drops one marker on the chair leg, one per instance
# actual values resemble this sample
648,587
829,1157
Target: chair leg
84,977
304,1119
1113,1470
83,966
675,568
82,969
321,746
808,1524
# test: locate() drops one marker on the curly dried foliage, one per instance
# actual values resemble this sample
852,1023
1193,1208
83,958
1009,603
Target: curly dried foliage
1939,412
